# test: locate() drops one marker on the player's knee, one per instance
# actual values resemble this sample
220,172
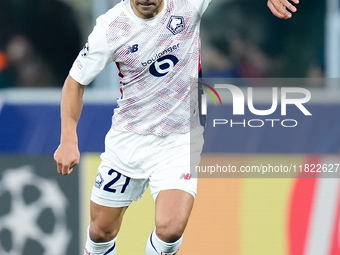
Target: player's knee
100,234
169,232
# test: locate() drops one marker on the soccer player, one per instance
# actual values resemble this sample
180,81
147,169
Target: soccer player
156,136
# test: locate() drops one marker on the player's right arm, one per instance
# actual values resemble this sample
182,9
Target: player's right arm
94,57
67,154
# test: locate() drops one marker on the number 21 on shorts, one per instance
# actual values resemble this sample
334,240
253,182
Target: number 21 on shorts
116,176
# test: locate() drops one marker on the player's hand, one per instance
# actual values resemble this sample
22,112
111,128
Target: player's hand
67,157
282,8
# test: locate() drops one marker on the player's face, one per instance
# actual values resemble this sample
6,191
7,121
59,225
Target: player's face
147,9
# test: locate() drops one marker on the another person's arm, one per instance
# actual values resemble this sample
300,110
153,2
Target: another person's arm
282,8
67,154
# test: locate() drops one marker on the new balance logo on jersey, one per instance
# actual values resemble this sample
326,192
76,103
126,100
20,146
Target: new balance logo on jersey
133,48
176,24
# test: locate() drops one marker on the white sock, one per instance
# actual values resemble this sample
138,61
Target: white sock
92,248
155,246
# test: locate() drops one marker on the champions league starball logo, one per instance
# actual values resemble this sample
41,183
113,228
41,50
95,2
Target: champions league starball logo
86,49
32,214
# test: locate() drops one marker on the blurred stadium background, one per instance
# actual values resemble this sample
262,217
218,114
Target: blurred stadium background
44,213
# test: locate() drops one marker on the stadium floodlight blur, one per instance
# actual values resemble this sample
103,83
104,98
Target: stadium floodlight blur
333,39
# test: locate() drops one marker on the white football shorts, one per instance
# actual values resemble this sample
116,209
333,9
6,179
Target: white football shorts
131,162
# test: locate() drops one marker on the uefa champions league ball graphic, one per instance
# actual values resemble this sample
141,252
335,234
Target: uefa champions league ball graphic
32,214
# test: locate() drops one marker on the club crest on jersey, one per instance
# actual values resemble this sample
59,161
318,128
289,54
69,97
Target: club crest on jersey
176,24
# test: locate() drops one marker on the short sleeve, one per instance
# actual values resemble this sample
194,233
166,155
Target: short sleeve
200,5
94,57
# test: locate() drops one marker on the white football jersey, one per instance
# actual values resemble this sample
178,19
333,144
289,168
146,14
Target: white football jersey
157,58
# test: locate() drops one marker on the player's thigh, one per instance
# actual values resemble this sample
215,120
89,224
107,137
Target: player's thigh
112,193
105,222
173,208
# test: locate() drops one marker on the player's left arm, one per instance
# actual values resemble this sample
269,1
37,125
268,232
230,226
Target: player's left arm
282,8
